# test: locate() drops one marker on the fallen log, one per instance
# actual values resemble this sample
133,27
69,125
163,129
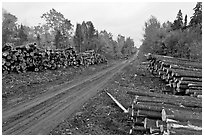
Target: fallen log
160,122
186,63
185,82
139,106
184,131
195,88
182,85
118,103
173,66
140,129
183,128
191,79
149,114
195,92
198,84
156,131
138,123
148,123
186,73
185,101
163,105
181,115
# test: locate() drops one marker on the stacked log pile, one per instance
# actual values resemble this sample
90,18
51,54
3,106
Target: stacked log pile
31,58
157,113
181,75
89,58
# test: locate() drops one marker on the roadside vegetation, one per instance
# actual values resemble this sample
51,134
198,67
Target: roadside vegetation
180,38
58,33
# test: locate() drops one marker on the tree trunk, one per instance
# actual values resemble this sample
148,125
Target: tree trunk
185,101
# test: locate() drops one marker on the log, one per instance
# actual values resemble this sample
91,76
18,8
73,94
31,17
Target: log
196,92
149,114
148,123
167,99
155,130
177,127
198,84
186,63
186,73
160,122
181,115
160,105
145,107
191,79
138,123
140,129
173,66
138,118
195,88
30,58
183,131
185,82
182,85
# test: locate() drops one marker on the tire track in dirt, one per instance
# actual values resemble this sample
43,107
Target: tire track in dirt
43,116
54,91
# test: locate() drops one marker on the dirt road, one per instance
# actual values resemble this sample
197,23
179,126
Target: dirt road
42,114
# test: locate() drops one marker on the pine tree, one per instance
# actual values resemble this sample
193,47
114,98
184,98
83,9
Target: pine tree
185,21
197,16
91,30
178,23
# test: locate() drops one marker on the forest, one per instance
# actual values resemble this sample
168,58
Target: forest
58,33
180,38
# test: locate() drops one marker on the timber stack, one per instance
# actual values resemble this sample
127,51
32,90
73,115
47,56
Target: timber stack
162,114
29,57
181,76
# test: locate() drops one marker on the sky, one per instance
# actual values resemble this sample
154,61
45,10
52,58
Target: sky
125,18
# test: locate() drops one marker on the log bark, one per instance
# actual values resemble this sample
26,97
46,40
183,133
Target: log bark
149,123
173,66
186,63
198,84
139,106
191,79
182,85
140,129
185,101
149,114
190,82
138,124
182,131
155,130
181,115
195,92
186,73
160,105
195,88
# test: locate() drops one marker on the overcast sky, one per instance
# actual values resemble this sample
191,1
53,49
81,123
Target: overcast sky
125,18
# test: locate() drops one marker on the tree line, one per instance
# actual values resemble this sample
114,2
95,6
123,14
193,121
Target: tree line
58,33
179,38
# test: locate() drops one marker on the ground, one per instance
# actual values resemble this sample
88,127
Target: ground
97,116
19,88
100,115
